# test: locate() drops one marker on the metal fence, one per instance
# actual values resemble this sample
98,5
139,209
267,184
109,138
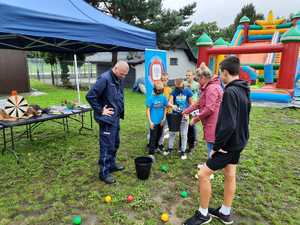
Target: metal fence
46,73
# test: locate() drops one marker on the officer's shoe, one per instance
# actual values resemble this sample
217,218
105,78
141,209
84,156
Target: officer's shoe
108,179
117,168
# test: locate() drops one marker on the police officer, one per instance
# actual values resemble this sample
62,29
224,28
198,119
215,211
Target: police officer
106,98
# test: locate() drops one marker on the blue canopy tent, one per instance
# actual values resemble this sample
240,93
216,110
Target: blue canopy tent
67,26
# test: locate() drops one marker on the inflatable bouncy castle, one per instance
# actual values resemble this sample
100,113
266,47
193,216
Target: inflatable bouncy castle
269,54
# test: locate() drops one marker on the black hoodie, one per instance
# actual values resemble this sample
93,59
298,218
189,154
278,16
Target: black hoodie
232,131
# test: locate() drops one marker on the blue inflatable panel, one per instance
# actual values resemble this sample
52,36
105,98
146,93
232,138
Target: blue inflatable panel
260,37
268,73
270,97
252,74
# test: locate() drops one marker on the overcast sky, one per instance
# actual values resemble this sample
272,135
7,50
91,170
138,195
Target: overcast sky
224,11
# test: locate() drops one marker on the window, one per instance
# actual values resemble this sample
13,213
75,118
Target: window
173,61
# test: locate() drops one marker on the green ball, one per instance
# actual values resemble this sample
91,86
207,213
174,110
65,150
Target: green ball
183,194
76,220
164,168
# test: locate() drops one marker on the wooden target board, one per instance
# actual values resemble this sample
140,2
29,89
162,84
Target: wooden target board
16,106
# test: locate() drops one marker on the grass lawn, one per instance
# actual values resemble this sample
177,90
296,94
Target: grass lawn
57,177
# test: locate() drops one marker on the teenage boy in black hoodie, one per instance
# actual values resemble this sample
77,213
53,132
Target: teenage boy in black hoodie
232,134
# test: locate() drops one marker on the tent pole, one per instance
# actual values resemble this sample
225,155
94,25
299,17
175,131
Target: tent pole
90,74
77,79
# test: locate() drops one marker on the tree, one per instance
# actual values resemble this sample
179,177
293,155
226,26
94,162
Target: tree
149,14
228,32
249,11
64,59
211,28
49,59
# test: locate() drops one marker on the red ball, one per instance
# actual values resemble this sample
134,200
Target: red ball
130,198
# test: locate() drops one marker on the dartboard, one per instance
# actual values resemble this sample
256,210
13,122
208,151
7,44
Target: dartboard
16,106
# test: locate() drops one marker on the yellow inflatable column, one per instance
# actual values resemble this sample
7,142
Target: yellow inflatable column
219,58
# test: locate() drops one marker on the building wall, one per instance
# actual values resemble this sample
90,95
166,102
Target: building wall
129,80
184,64
140,70
13,72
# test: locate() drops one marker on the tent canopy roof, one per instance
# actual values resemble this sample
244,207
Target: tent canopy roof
66,26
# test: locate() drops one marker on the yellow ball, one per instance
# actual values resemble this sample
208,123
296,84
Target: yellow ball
108,199
164,217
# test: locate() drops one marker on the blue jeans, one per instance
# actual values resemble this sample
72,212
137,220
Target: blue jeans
209,148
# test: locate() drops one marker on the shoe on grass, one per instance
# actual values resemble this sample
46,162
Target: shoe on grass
109,179
198,219
183,156
225,219
168,152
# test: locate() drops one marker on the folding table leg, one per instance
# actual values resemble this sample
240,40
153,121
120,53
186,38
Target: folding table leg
13,145
91,117
81,122
12,138
67,123
30,132
4,140
27,131
64,125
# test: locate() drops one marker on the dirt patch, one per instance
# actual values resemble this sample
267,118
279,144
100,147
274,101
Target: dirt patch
91,219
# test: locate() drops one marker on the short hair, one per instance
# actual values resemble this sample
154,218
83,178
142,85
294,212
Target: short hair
203,70
158,85
190,71
122,64
178,81
231,64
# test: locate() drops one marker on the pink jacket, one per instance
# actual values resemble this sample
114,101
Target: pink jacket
208,105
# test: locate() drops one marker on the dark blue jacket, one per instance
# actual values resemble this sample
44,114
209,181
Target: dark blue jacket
108,90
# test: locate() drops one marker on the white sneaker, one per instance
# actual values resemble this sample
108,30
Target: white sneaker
183,156
152,157
165,153
199,166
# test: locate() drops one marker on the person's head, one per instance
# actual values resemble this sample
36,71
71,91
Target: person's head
179,85
158,87
165,79
204,74
230,69
189,75
121,69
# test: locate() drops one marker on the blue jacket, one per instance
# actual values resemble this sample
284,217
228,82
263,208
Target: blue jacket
108,90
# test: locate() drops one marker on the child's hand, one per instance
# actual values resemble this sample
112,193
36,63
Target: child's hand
151,125
162,123
174,107
186,116
192,122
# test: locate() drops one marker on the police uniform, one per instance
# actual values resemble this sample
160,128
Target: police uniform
108,90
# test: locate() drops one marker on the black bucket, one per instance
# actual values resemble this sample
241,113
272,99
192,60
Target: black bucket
174,120
143,167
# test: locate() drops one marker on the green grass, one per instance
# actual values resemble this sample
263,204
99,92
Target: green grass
57,177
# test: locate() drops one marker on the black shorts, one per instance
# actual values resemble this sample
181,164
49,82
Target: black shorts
220,160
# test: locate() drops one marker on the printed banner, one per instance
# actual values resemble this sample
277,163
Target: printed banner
155,65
